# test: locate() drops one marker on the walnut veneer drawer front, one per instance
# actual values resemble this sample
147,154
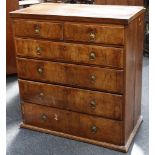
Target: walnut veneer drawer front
48,30
68,52
75,75
80,100
73,123
106,34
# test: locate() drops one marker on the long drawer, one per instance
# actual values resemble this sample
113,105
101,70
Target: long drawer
73,123
37,29
79,100
69,74
92,33
69,52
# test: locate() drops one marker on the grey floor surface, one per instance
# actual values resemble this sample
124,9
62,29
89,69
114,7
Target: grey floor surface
27,142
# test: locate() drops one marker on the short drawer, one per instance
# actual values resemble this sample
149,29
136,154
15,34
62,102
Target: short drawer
74,99
106,34
68,52
47,30
69,74
73,123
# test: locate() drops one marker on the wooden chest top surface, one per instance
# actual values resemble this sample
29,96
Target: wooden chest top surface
74,12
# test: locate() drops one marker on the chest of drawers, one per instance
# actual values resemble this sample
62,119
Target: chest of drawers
79,69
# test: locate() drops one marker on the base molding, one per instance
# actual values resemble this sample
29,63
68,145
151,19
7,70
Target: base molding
122,148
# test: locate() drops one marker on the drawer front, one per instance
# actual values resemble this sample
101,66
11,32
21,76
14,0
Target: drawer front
69,74
67,52
106,34
37,29
73,123
79,100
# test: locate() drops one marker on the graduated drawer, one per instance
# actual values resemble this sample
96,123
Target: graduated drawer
73,123
68,52
79,100
94,33
69,74
37,29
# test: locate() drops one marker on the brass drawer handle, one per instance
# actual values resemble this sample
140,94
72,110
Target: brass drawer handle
39,50
44,117
37,29
41,94
93,78
93,104
92,36
92,56
93,129
40,70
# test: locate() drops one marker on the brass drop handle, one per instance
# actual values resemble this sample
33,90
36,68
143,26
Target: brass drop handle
40,70
44,117
41,94
92,36
93,104
37,29
93,78
39,50
92,56
93,129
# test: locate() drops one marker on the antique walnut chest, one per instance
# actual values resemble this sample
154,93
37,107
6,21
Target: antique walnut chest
79,69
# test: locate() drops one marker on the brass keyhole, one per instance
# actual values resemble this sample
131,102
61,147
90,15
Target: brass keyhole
40,70
93,129
92,56
93,78
93,104
39,50
92,36
44,117
37,29
41,94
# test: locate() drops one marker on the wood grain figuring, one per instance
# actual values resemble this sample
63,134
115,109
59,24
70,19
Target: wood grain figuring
72,123
80,100
120,2
28,28
74,75
131,33
138,67
103,34
80,13
122,148
69,52
133,73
